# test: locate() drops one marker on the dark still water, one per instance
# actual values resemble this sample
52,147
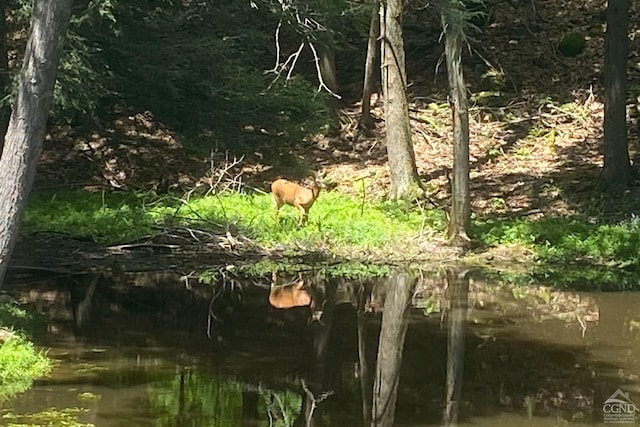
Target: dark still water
408,350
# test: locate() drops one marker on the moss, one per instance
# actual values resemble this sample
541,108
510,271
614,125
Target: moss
573,44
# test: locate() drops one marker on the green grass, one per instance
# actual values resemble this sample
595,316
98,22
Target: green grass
20,362
569,240
107,217
336,223
573,252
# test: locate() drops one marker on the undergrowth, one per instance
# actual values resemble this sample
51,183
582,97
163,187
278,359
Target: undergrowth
337,223
20,361
339,226
570,240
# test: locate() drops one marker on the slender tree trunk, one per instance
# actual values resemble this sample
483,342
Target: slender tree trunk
5,77
327,62
460,219
616,174
405,183
366,121
391,344
23,142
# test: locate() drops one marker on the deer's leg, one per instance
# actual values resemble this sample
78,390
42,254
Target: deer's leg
304,214
277,204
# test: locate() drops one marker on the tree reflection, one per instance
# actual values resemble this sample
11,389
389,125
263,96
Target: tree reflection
391,343
457,294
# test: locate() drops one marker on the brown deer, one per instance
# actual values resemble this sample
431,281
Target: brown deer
289,193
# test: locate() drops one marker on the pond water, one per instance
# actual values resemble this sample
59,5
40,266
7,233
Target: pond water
411,349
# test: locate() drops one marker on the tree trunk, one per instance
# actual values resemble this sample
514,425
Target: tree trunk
27,126
5,77
405,183
366,121
391,344
327,63
616,174
460,219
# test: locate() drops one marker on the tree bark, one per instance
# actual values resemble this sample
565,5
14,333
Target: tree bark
616,173
327,63
23,142
405,183
5,77
366,121
460,218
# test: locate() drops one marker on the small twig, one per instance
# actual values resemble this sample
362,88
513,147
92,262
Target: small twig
132,246
277,41
568,113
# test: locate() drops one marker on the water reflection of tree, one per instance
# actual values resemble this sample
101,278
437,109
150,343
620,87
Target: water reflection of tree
457,292
391,343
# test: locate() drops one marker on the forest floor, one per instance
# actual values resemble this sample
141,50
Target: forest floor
535,139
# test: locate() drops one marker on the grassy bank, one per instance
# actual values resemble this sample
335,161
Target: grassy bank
20,362
338,224
347,228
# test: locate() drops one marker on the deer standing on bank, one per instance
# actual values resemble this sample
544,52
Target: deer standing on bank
289,193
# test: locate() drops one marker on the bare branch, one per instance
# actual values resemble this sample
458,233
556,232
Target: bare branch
321,84
277,42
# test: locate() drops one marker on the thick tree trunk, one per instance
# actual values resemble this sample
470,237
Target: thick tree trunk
5,77
405,183
27,126
366,121
616,174
460,219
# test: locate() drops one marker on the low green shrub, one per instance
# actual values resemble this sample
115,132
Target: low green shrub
20,364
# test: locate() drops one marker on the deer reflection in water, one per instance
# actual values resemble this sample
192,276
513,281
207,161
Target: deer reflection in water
295,294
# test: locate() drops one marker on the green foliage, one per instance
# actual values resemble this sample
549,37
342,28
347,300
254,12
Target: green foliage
328,24
337,223
67,417
463,16
345,270
20,364
15,317
572,44
197,66
202,66
83,77
570,240
338,226
586,278
212,401
215,401
106,217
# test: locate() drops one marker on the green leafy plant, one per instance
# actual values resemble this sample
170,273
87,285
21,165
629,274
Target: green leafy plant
20,364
